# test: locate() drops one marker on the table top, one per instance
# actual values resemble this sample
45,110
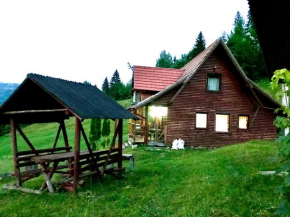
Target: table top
65,156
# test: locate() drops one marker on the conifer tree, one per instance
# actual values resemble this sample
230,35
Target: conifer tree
244,45
105,86
115,79
106,131
198,47
95,132
165,60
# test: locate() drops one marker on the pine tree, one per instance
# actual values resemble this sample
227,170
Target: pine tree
106,131
105,86
115,79
180,62
198,47
243,43
95,132
165,60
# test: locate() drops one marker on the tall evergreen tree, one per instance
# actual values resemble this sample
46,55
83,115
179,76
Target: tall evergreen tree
105,86
106,131
198,47
243,43
180,62
115,79
165,60
95,132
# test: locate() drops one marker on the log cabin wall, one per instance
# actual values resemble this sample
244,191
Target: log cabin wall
233,99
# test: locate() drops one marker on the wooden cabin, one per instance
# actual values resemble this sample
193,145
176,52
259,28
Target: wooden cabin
212,103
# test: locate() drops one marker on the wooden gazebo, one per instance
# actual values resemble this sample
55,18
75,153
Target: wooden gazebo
41,99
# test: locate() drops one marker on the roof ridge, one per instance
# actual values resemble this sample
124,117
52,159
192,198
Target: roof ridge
45,76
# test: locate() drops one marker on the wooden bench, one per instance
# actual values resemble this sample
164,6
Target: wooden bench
31,170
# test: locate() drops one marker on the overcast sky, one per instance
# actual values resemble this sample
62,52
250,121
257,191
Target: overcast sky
90,39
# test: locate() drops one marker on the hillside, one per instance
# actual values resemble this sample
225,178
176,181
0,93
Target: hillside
6,89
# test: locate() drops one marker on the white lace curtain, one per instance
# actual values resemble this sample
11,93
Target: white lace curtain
213,84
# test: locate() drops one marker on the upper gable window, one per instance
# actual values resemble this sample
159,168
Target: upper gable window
214,82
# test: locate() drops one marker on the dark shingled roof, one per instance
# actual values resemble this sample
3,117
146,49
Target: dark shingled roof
82,100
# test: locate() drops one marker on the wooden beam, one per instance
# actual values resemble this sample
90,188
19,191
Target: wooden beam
57,135
14,148
146,126
33,111
25,138
76,155
120,141
64,133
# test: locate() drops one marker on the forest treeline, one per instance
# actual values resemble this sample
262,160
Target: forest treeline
242,41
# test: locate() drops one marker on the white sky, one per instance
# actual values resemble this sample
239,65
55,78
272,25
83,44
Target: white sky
89,39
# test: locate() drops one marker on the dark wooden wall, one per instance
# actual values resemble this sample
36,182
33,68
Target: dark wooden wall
234,98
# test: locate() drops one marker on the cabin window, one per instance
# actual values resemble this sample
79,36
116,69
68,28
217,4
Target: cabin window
222,123
214,82
243,122
136,97
201,120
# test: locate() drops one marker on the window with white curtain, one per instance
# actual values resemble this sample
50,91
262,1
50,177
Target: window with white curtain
201,120
243,122
213,82
222,123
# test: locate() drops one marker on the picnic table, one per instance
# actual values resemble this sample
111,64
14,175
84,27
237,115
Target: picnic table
88,162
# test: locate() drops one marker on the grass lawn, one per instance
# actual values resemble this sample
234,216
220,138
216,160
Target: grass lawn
191,182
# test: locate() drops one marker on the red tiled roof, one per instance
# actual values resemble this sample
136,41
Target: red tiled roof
154,78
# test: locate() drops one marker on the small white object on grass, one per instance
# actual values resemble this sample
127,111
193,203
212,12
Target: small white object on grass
134,146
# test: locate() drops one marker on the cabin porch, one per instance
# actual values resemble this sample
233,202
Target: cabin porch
152,125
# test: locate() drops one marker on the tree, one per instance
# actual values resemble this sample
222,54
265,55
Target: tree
115,79
105,86
95,132
180,62
165,60
198,47
106,131
243,43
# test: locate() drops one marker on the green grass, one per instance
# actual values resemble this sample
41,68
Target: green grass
191,182
218,182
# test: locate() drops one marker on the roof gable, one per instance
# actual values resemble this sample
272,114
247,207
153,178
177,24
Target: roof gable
192,67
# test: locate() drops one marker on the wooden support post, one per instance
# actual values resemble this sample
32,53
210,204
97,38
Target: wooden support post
146,126
120,141
76,155
14,148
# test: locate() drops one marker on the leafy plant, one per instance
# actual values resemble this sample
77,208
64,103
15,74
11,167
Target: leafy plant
283,122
